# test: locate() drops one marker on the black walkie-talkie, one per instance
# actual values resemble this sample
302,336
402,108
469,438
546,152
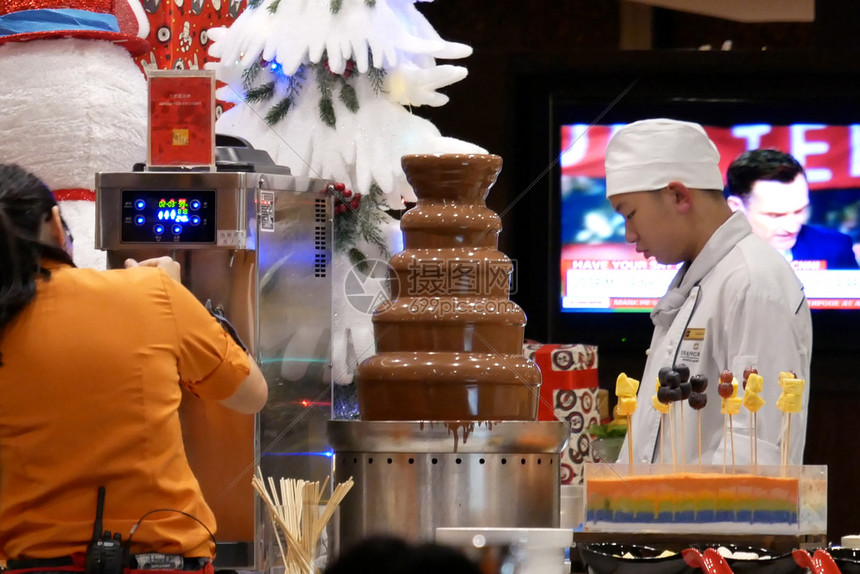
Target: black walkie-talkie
104,553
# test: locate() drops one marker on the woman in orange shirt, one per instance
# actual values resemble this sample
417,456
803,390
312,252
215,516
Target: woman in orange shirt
91,364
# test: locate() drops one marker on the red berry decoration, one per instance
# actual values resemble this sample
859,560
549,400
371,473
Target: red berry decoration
340,187
350,68
347,193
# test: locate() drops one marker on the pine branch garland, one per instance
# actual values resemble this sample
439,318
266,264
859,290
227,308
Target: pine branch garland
278,111
358,259
361,223
249,76
348,96
335,6
327,114
345,230
376,76
324,78
369,227
370,3
254,3
326,105
261,93
273,7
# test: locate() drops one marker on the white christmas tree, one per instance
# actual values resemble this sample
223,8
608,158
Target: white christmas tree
327,87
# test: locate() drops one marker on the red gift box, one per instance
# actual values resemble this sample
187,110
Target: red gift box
179,33
569,393
562,367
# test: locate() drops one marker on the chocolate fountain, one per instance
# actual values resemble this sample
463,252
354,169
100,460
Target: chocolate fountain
448,403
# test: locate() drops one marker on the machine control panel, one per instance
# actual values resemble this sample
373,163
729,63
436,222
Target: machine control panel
168,216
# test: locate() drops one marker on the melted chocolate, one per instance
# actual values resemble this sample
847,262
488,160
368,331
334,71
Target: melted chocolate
449,346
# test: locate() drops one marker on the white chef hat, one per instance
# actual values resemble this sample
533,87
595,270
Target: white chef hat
649,154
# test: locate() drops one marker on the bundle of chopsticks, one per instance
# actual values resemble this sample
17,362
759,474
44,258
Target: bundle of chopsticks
294,507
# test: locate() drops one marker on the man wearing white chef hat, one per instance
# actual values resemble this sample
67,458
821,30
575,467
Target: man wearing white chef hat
735,302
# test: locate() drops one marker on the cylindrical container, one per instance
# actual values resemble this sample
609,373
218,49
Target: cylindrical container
412,477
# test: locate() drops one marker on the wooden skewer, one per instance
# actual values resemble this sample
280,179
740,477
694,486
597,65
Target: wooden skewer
752,437
294,508
732,437
755,434
630,443
683,437
662,435
672,433
295,550
699,413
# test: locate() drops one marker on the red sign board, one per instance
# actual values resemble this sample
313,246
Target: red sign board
181,118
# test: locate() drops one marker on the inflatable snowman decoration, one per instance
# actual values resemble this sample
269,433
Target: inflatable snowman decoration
72,99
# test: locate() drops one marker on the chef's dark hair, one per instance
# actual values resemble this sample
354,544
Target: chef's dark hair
760,165
25,204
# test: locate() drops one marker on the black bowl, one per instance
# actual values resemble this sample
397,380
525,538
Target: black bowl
608,558
848,559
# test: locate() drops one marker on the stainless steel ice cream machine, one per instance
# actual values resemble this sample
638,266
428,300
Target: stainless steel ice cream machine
256,241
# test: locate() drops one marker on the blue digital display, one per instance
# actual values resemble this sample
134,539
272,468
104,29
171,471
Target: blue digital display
175,216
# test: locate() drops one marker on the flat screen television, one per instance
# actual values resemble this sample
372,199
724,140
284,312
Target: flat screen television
577,278
600,272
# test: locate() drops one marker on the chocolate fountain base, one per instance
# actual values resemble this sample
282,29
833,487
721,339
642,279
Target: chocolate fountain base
414,476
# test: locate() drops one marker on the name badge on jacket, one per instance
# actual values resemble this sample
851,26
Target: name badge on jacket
691,346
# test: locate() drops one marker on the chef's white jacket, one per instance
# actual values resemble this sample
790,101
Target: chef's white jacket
738,304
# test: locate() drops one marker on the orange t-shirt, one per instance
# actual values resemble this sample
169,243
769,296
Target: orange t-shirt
89,392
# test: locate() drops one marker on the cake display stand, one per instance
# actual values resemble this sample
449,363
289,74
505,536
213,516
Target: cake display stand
770,508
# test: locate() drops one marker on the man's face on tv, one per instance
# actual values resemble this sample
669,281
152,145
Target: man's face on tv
777,210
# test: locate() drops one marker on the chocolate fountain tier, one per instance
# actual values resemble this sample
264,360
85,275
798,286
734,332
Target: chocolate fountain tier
440,223
465,324
463,271
448,386
465,178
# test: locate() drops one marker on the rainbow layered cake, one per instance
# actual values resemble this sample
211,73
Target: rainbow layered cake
660,498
